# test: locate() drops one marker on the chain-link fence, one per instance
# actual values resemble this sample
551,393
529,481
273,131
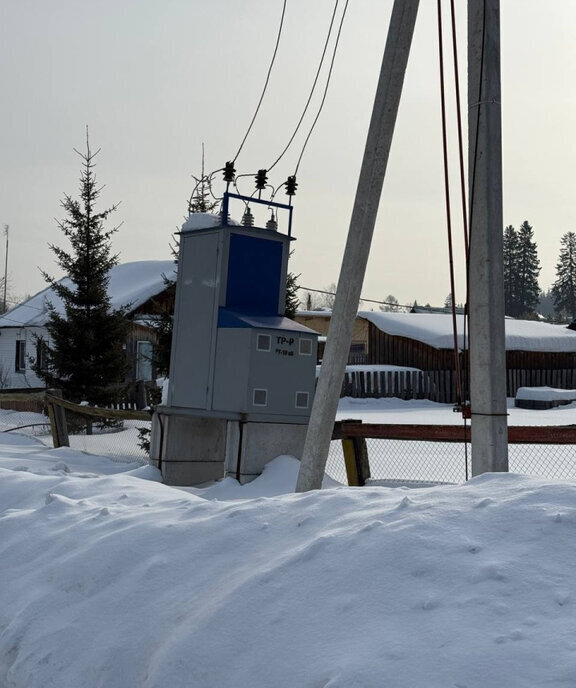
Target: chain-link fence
416,462
117,438
118,434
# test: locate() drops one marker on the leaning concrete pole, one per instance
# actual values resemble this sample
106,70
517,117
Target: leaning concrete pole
486,298
357,249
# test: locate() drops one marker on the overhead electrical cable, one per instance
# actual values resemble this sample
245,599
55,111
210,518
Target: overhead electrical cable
383,303
459,125
448,210
311,90
325,89
266,82
465,382
460,366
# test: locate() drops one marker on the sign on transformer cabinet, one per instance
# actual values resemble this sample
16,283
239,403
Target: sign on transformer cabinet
234,354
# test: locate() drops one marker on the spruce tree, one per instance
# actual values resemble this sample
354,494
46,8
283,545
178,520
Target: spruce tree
528,269
85,352
510,249
292,299
546,305
564,289
521,270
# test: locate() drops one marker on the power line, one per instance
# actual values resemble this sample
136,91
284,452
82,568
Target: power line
311,90
267,80
325,89
383,303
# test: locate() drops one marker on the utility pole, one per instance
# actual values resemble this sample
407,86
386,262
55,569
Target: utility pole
489,432
357,249
6,231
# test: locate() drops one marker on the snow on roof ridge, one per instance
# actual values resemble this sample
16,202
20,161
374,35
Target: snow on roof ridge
435,329
131,284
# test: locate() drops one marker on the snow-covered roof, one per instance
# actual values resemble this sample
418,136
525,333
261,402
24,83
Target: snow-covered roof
204,221
131,285
435,329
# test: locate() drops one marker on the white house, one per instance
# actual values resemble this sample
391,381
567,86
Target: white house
23,328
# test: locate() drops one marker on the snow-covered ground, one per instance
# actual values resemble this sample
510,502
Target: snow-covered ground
111,579
424,412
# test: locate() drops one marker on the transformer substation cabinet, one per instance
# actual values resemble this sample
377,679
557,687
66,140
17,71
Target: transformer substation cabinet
242,375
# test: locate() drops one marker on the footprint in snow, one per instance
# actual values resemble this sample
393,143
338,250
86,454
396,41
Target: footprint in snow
61,466
490,572
561,597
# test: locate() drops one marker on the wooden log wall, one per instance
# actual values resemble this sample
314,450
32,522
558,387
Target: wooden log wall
524,368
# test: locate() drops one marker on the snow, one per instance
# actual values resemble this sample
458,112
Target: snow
435,329
204,221
376,368
131,285
545,394
425,412
373,368
112,579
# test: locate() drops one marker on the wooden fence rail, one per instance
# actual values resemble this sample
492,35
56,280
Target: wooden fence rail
353,435
52,401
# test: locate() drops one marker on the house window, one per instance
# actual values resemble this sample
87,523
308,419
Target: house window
302,399
20,355
41,355
305,347
144,357
263,342
260,397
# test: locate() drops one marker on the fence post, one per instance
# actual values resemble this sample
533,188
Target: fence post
141,400
58,425
356,461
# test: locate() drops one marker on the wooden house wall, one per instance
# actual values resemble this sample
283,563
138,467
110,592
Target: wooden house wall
540,360
386,349
391,350
523,368
321,323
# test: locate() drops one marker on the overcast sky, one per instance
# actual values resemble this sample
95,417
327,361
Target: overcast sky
154,80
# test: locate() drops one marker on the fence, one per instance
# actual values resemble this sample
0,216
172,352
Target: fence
106,432
559,379
439,385
436,385
417,455
31,399
135,396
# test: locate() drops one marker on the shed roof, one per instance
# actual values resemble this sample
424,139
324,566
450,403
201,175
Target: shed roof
131,285
435,329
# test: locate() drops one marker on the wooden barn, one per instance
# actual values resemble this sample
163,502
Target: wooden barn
537,353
